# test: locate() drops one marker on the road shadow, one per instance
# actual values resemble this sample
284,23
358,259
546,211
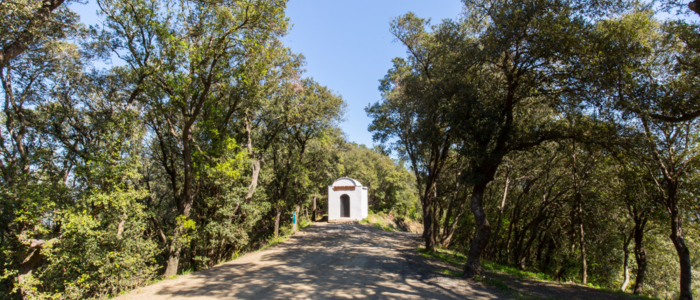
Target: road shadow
330,261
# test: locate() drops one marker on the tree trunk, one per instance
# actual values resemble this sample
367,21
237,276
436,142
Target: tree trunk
32,258
277,221
500,216
671,204
542,234
544,266
626,268
582,244
448,214
120,226
514,219
541,243
429,214
173,260
579,215
254,179
483,232
682,250
428,225
255,166
626,263
535,231
184,206
436,221
518,241
639,254
450,230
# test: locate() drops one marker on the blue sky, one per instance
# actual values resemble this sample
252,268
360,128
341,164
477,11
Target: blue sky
347,46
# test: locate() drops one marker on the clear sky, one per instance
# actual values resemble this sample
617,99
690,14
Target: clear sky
347,46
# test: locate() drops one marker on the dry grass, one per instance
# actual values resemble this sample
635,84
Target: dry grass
388,222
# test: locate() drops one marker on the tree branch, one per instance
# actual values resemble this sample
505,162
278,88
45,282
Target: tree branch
25,38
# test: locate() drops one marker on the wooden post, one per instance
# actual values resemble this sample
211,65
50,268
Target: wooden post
313,212
296,220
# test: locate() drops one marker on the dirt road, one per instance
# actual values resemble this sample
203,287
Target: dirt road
336,261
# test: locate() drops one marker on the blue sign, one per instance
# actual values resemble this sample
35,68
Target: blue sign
294,217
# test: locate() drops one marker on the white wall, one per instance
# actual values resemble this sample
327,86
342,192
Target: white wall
356,211
358,200
364,203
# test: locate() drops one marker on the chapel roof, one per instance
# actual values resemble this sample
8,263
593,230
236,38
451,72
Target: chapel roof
355,182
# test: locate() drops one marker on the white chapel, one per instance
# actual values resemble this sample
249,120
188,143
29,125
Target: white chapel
347,199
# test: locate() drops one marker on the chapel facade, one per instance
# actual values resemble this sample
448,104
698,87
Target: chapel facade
347,200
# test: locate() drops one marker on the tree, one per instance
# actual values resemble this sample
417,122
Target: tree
26,83
414,110
645,86
507,55
309,113
186,65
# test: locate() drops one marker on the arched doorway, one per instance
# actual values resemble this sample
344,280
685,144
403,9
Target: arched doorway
344,206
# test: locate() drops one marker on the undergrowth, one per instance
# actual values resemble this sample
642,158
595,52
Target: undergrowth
390,223
378,222
448,256
286,233
458,260
492,266
452,273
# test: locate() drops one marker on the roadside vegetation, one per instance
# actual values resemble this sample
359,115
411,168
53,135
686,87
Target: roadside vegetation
389,222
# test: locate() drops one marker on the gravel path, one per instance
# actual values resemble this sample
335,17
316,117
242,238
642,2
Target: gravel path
326,261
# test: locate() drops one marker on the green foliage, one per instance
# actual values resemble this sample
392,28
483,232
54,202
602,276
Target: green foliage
495,282
492,266
567,129
452,273
391,186
230,164
454,258
101,250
